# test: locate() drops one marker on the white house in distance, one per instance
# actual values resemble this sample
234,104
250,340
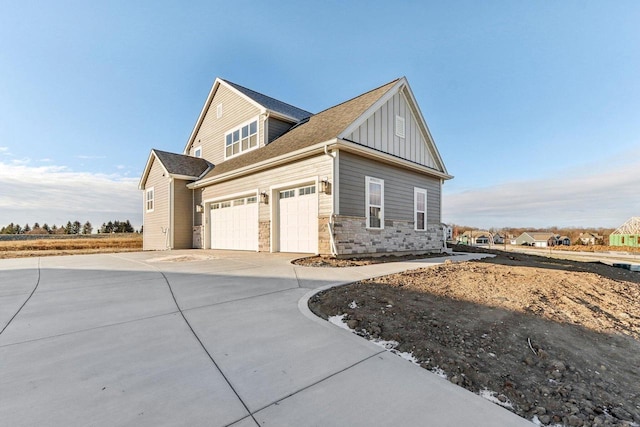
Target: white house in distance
258,174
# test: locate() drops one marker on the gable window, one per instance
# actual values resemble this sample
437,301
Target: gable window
219,111
149,199
242,139
197,152
400,126
420,208
374,200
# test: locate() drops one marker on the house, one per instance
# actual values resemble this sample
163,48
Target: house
474,237
590,238
540,240
498,238
628,234
258,174
564,241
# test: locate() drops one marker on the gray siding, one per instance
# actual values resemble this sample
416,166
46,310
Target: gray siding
158,220
378,132
398,189
183,215
235,111
197,199
277,128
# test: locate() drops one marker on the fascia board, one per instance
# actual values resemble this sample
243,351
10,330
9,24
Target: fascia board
147,169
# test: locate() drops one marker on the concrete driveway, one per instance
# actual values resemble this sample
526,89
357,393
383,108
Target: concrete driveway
203,338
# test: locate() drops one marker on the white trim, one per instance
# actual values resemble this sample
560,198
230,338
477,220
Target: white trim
416,191
153,199
238,195
274,201
238,128
195,151
372,180
171,214
336,183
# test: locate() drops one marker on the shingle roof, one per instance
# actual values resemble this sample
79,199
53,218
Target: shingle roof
318,128
179,164
272,103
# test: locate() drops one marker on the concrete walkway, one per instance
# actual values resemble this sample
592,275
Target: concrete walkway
203,338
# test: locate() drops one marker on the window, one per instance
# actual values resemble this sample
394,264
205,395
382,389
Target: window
219,111
241,139
400,126
307,190
287,194
149,199
197,152
374,199
238,202
251,200
420,208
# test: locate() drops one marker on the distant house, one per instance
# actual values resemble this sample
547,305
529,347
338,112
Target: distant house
540,240
564,241
474,237
628,234
498,238
590,238
448,232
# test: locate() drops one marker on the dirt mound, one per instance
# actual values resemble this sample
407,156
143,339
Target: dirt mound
554,341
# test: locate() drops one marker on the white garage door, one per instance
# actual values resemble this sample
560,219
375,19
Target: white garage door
298,212
234,224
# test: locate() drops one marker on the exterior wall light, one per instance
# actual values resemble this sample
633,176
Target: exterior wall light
264,197
325,186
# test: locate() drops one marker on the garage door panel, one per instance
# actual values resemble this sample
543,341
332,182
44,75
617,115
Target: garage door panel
298,220
235,226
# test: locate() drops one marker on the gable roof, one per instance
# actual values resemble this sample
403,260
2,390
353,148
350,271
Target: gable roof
318,128
176,165
263,102
270,103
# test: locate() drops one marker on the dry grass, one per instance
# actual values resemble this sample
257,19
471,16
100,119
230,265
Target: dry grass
51,247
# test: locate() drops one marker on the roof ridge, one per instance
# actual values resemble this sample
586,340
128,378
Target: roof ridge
358,96
266,96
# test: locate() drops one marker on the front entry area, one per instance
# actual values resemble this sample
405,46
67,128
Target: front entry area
234,224
298,219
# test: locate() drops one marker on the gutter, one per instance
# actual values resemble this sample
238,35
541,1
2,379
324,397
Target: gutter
332,242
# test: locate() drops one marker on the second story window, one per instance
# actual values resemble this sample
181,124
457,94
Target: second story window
241,139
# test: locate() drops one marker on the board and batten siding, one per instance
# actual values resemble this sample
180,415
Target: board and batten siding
235,111
183,215
310,168
398,189
277,128
156,222
378,132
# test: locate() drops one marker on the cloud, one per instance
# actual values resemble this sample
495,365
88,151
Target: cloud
4,150
86,157
55,194
606,196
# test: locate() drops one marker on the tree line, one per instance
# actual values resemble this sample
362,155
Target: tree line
74,227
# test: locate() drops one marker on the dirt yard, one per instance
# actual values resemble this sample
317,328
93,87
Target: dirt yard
557,342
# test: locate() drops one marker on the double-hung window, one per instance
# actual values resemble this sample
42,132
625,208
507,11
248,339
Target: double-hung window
241,139
149,199
420,208
374,200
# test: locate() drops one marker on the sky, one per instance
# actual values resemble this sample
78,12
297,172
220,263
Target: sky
533,105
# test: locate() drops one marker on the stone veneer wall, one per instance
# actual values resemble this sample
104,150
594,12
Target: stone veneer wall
353,238
324,236
264,236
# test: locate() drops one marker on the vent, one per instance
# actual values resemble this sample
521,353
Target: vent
219,111
400,126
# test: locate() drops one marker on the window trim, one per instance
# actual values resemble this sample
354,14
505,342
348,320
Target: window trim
416,191
368,181
147,200
195,151
239,130
219,111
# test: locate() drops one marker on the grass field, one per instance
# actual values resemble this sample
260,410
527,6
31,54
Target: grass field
52,247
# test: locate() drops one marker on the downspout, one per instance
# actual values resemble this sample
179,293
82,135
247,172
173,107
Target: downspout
332,242
169,241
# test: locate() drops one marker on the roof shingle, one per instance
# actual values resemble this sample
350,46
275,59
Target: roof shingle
179,164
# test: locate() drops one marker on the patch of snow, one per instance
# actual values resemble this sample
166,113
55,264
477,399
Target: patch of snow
338,320
353,304
439,372
492,354
491,396
536,421
389,306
